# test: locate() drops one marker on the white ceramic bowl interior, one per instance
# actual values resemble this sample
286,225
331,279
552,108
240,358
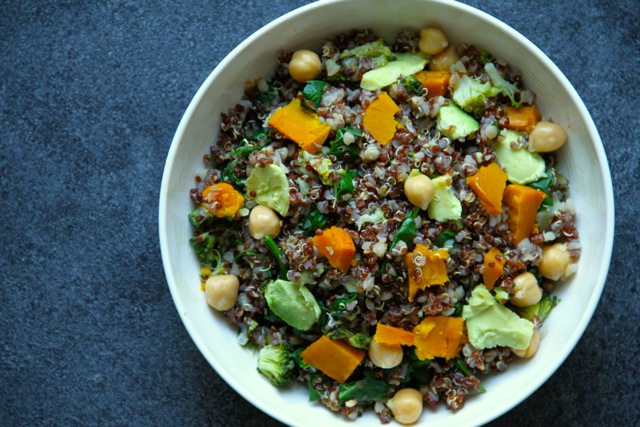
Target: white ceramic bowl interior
582,160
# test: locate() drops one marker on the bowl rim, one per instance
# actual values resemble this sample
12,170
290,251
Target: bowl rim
600,280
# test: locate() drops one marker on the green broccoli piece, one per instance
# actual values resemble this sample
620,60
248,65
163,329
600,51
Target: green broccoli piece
506,88
471,94
205,247
413,85
358,340
539,311
277,364
199,216
376,49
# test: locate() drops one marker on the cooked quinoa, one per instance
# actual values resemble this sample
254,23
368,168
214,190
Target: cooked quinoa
371,206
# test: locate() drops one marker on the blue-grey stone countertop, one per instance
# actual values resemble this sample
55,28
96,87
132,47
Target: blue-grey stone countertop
91,94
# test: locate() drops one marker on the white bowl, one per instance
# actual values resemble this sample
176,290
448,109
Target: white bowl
582,160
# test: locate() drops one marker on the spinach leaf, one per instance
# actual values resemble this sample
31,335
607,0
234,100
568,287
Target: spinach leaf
346,184
368,389
313,91
312,222
407,229
338,148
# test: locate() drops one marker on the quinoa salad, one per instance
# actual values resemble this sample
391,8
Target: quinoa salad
383,222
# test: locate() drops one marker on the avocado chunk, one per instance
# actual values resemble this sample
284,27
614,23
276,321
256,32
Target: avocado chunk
521,165
490,324
455,123
271,188
405,64
445,205
293,303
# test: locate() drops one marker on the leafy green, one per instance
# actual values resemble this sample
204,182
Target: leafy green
407,230
543,185
540,310
313,221
275,251
346,184
465,369
412,84
244,150
338,148
443,238
313,91
229,175
368,389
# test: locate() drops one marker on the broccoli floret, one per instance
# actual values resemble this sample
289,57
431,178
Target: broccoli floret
277,364
471,94
413,85
199,216
539,311
205,247
372,49
506,88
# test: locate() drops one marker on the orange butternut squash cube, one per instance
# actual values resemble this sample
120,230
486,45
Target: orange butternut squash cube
522,119
379,118
436,82
337,246
301,126
335,358
426,268
392,335
493,267
523,203
439,336
488,184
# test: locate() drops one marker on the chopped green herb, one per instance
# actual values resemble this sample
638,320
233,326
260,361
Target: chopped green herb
275,250
407,230
337,146
313,91
312,222
346,184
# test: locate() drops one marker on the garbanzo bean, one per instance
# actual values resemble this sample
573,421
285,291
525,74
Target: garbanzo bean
546,137
406,405
305,65
555,260
530,351
433,41
384,356
222,291
444,60
526,290
419,190
264,221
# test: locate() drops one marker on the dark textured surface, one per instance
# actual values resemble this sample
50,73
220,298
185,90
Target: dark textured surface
90,96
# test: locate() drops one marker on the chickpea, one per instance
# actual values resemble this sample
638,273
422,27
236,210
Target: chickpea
305,65
433,41
526,290
546,137
264,221
222,291
444,60
530,351
419,190
406,405
384,356
555,260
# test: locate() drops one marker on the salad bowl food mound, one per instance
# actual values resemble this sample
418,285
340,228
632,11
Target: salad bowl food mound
581,160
